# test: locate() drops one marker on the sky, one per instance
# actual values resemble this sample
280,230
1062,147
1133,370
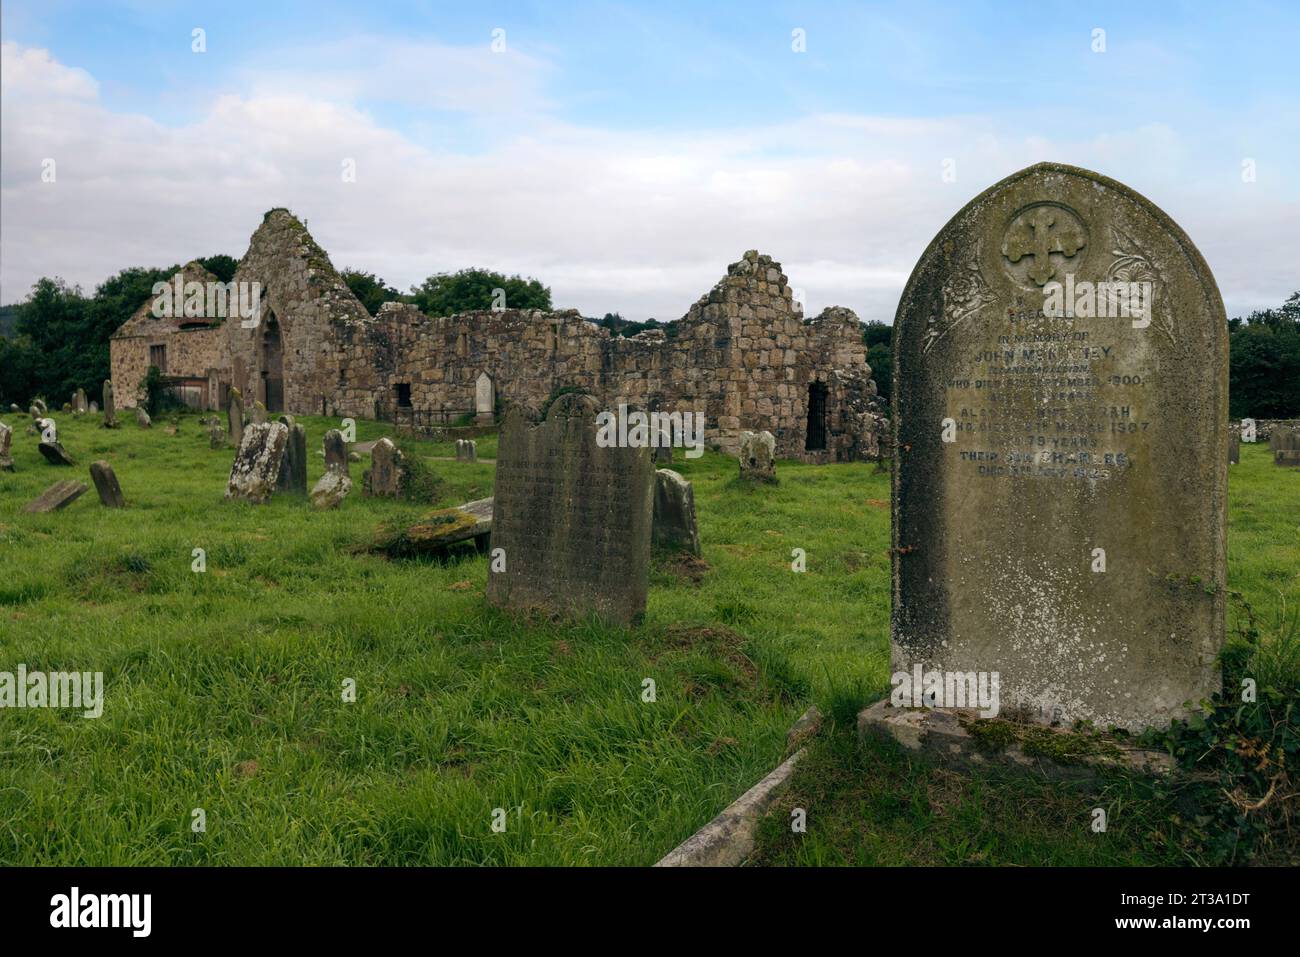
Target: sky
625,153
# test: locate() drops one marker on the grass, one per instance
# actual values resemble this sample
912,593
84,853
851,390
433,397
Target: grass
224,689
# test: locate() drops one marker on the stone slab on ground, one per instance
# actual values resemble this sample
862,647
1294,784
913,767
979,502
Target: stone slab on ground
57,496
960,737
441,529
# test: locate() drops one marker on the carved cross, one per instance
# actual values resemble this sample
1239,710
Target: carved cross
1037,235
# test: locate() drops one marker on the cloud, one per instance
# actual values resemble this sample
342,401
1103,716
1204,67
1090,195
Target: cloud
635,221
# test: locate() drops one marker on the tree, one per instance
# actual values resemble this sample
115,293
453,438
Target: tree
878,337
1264,363
370,289
220,265
446,294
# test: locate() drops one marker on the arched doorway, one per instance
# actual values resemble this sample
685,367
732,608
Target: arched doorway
272,365
816,436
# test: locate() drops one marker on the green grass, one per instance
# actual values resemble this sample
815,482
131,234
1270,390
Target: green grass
223,689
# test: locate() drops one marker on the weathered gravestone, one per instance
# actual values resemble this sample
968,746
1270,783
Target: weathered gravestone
466,450
110,492
259,413
257,463
1234,449
94,407
758,456
1285,444
1059,492
41,409
110,406
216,436
293,471
334,486
571,520
50,446
235,418
6,458
79,400
387,475
142,418
57,496
484,399
675,528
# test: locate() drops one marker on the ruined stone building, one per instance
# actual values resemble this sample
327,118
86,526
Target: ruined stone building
742,355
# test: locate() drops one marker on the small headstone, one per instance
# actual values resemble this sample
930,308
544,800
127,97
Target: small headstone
57,496
110,492
758,456
67,407
1060,481
293,471
6,458
235,418
256,468
466,450
1283,438
40,406
110,407
94,407
216,436
386,477
142,417
334,486
56,454
1234,449
675,528
571,520
15,408
484,399
35,413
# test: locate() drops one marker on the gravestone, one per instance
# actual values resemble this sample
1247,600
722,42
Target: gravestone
142,418
1060,483
94,407
6,457
235,418
333,487
1234,449
56,454
1285,443
466,450
675,528
484,399
15,408
663,452
110,406
571,520
758,456
386,477
41,409
216,436
259,414
256,467
110,492
293,471
79,400
57,496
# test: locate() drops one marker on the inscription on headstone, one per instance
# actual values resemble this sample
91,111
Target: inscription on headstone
1061,474
571,520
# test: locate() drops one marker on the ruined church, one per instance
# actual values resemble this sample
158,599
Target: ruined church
742,356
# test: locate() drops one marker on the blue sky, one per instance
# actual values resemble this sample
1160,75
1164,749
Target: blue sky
625,153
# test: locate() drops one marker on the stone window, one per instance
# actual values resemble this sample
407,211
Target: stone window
158,357
816,440
403,391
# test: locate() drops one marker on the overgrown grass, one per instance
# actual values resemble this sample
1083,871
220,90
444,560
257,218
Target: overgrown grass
224,688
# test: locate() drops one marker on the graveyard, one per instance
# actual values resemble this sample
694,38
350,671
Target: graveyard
321,702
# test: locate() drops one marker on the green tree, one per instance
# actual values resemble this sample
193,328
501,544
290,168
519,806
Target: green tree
370,289
1264,363
220,265
881,360
446,294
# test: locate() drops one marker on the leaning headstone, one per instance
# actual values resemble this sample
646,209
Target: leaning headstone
758,456
110,492
571,520
256,468
466,450
293,471
675,528
57,496
56,454
235,418
142,417
6,457
1234,449
110,407
386,477
1061,476
333,487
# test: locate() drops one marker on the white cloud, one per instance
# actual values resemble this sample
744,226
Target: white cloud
636,222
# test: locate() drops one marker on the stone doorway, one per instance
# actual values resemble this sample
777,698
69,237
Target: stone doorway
816,435
272,366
